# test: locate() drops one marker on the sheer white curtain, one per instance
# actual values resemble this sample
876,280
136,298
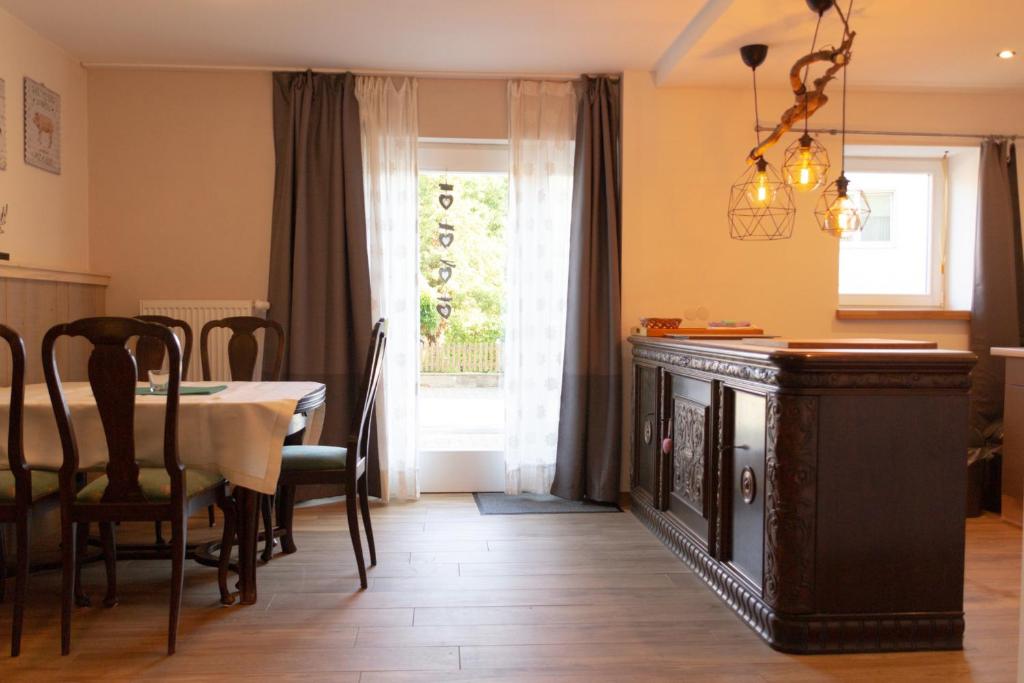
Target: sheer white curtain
542,127
387,114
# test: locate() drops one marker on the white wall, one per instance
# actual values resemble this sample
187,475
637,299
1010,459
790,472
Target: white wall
48,215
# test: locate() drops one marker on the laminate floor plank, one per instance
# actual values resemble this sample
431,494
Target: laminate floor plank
458,597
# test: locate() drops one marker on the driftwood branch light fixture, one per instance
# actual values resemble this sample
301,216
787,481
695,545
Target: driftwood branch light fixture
806,163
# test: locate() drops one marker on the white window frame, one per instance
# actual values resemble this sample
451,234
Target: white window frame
936,295
462,155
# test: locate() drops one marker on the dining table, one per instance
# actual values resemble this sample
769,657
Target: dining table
236,431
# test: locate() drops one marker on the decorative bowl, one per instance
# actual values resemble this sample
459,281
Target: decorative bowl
660,323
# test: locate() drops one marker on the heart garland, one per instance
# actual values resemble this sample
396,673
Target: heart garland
445,236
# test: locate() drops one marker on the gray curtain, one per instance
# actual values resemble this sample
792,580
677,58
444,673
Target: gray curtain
319,287
590,423
996,315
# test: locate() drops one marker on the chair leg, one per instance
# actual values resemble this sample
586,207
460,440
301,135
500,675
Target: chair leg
68,572
267,509
158,528
210,515
364,504
178,540
353,530
3,567
81,543
227,539
110,559
285,515
21,581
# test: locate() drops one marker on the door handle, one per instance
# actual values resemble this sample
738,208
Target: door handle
734,447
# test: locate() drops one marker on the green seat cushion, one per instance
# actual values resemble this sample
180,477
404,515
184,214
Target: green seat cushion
313,458
43,484
155,484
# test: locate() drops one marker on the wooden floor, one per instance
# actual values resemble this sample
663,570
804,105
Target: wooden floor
461,597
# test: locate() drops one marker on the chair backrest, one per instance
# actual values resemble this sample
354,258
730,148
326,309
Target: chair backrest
363,419
15,450
243,349
149,352
113,377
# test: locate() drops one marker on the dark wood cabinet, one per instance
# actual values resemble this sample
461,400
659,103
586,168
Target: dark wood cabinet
688,410
820,493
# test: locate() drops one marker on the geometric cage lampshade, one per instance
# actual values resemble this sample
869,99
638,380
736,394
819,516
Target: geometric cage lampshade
841,211
805,164
761,205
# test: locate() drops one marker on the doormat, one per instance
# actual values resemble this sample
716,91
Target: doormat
496,503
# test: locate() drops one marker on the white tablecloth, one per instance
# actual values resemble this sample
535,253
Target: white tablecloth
237,432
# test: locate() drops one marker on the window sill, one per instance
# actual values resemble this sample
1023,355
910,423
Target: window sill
900,314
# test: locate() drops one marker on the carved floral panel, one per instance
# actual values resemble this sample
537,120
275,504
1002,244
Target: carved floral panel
689,449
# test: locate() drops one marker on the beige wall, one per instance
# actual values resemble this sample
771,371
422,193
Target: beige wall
48,215
683,149
463,108
182,179
182,175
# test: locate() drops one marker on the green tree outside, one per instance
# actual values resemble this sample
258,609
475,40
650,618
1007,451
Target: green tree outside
477,284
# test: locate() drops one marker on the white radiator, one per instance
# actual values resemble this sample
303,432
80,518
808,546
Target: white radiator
197,312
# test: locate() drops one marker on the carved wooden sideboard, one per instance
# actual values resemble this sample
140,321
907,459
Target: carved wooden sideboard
819,493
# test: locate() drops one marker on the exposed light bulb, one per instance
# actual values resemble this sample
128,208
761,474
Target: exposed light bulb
762,190
807,177
1006,54
806,164
846,213
843,215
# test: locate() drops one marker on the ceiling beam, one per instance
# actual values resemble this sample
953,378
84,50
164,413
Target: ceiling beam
687,38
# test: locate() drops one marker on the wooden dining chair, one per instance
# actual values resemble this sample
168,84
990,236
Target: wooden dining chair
312,464
243,352
128,491
149,352
149,355
243,348
21,487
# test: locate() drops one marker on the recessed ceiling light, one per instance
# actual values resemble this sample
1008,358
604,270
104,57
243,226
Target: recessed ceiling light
1006,54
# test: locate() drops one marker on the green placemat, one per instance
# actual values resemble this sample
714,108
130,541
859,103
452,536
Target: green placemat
185,391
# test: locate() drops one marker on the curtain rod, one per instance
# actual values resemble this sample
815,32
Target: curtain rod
453,75
895,133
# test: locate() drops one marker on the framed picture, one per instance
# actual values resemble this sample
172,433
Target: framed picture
42,127
3,127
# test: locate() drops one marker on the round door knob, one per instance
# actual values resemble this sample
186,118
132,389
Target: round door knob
648,430
666,446
748,485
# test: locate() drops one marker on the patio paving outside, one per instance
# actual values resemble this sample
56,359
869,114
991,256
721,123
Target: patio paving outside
461,418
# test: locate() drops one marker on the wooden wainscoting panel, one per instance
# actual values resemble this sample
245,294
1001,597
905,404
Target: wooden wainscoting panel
32,307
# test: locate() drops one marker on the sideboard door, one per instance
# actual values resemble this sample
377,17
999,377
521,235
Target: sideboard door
689,475
646,430
744,453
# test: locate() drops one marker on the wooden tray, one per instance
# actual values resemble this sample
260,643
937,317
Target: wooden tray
845,343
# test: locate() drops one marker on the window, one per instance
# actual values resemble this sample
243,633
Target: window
897,259
461,294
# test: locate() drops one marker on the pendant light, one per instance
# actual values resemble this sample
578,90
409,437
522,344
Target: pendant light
841,211
761,205
805,164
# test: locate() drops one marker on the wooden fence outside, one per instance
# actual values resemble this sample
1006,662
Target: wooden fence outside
457,358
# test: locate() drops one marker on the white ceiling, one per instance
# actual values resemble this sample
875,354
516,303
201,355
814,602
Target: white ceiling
947,44
479,36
